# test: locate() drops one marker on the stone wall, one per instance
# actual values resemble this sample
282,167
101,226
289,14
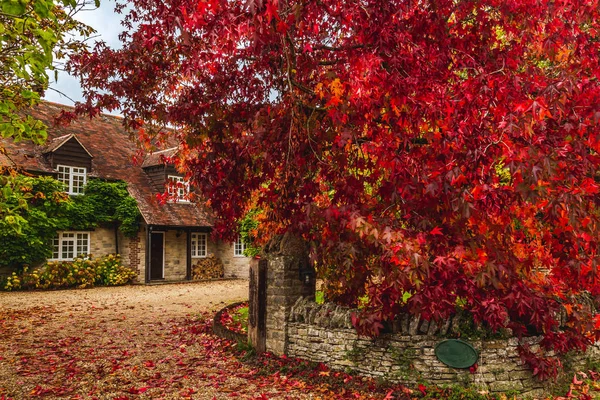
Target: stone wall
212,247
133,253
175,255
286,255
102,242
324,333
233,266
131,250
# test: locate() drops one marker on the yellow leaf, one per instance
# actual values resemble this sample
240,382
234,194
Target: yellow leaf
336,88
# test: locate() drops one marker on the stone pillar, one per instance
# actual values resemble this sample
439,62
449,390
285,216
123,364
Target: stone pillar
286,257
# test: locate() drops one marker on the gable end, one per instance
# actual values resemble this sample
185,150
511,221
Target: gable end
71,153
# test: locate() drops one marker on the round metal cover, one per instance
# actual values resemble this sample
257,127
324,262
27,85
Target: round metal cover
456,353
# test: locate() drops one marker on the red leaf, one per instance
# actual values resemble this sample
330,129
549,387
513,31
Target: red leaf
436,231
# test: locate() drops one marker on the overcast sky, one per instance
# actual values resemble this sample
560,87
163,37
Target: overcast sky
107,23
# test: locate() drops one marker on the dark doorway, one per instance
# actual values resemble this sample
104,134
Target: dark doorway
157,255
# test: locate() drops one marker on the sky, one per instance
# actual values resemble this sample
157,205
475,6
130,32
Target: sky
107,24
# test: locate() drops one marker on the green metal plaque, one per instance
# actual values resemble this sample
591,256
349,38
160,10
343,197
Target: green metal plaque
456,353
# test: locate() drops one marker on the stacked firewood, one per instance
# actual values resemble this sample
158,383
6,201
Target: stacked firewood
207,268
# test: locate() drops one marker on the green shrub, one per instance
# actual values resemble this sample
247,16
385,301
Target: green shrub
83,272
31,211
248,226
34,209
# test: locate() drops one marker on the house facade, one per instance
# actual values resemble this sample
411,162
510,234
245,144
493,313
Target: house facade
173,239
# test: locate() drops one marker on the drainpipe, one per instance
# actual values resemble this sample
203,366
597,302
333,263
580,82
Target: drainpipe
188,255
116,226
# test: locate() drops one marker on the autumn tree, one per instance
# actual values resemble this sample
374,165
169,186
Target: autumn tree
437,154
34,36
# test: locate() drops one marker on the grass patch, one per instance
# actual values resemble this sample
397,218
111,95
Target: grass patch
240,316
319,297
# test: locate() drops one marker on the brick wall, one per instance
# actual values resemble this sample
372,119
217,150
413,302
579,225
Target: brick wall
133,253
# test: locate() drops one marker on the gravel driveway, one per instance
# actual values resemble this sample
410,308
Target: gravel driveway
118,343
137,302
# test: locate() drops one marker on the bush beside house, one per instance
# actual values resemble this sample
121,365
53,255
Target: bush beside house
81,273
34,209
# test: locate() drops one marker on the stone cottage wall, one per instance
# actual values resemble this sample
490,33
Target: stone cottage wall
175,255
233,266
132,250
102,242
324,333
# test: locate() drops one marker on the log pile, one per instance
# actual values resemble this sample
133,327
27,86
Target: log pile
207,268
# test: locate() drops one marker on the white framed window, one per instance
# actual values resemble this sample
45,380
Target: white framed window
238,248
66,246
178,188
74,178
199,244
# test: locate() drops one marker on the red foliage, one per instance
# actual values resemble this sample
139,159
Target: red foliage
444,149
231,322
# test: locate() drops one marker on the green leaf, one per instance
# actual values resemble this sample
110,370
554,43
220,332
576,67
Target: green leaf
28,94
13,7
42,8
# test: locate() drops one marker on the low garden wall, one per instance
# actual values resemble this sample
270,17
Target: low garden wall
324,333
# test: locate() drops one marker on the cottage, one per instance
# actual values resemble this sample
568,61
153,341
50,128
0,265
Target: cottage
173,237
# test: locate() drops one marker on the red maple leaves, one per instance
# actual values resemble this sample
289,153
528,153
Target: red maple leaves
389,135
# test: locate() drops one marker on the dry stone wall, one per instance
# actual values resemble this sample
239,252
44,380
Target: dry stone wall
324,333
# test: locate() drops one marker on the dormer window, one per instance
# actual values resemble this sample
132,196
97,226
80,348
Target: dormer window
178,189
74,178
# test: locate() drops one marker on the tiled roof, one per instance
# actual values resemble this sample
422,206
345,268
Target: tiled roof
5,161
53,144
107,141
157,157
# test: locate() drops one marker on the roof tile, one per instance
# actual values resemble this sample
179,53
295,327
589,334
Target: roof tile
107,141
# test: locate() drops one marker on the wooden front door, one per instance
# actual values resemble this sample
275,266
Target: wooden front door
157,255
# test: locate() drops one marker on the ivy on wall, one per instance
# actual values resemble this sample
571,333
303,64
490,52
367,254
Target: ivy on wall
33,209
248,226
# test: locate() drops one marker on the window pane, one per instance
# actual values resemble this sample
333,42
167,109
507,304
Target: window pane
194,244
73,177
55,247
82,244
78,183
68,247
63,175
202,245
178,187
238,248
